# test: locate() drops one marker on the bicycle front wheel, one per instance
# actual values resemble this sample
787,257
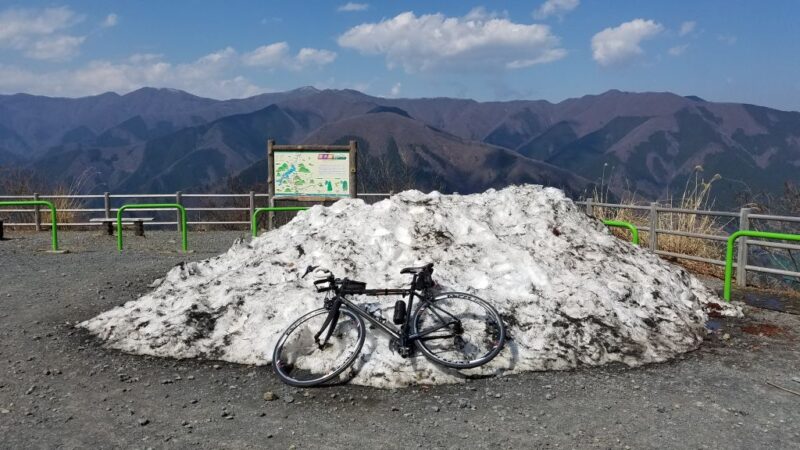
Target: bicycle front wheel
299,360
458,330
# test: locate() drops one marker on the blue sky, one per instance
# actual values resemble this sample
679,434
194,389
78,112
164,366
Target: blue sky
734,50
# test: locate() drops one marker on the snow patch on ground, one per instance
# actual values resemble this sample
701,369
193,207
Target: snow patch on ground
570,293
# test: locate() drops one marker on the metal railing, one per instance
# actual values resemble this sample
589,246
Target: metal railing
239,210
745,218
235,210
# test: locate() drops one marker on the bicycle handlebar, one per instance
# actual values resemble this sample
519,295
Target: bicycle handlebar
423,279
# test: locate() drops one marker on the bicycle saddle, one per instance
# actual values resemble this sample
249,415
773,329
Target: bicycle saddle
415,270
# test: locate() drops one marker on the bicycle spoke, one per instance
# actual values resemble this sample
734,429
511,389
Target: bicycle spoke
473,336
304,359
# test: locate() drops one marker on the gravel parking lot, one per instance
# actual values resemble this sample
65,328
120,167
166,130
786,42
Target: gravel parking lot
59,388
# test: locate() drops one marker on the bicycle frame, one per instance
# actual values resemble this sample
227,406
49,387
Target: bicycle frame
402,334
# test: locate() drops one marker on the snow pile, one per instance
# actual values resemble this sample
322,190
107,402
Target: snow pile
570,293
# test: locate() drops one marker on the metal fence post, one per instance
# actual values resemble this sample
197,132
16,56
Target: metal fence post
589,208
178,197
107,204
741,257
252,205
37,217
653,226
270,214
1,229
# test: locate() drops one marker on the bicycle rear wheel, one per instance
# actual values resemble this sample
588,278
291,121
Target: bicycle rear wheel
458,330
298,359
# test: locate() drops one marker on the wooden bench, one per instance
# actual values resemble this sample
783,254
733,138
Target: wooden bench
111,223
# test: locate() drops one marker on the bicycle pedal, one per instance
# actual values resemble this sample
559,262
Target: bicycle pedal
399,312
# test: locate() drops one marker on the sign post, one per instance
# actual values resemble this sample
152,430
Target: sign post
314,173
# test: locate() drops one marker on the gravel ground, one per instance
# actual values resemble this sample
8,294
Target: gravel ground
59,388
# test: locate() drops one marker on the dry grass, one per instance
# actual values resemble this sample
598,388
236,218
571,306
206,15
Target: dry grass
697,196
16,181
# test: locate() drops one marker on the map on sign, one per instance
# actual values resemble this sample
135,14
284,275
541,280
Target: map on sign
313,174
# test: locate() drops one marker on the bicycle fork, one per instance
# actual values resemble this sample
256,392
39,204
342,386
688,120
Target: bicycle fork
330,323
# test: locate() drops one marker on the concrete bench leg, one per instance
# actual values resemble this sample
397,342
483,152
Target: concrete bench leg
110,228
139,225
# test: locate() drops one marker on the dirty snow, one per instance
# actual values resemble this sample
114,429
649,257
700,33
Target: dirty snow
570,293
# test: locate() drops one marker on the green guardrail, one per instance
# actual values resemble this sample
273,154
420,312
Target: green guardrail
628,225
259,211
53,217
180,208
729,253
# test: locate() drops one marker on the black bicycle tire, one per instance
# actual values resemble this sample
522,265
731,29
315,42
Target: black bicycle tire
298,383
483,360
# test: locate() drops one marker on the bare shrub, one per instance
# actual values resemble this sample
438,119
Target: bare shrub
16,181
696,196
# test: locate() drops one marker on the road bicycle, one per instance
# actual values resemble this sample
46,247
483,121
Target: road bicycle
452,329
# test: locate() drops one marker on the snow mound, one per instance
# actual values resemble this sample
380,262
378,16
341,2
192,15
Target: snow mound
570,293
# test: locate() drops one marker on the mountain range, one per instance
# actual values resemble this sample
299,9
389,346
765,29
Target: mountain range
164,140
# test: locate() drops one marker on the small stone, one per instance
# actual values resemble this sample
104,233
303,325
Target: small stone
288,399
30,390
143,422
549,396
216,366
726,336
4,411
270,396
436,409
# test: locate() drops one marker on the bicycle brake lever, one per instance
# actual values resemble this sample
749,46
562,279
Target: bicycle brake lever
309,269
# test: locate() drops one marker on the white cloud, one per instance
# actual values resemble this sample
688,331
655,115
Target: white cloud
55,48
678,50
110,21
350,7
475,42
208,76
212,75
621,44
555,7
267,55
314,57
39,33
727,39
278,56
687,27
395,89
